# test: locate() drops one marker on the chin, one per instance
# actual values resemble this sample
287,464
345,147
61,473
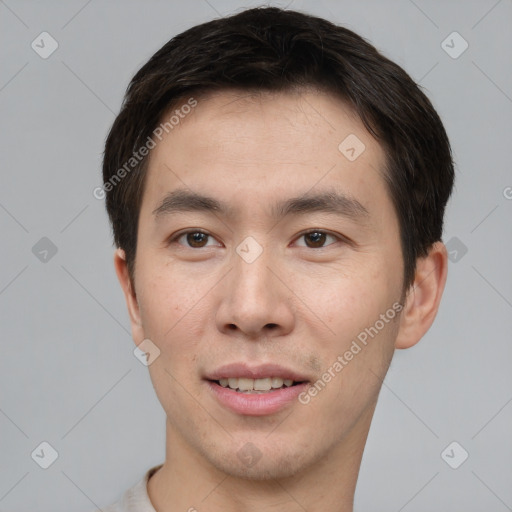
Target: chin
268,464
262,471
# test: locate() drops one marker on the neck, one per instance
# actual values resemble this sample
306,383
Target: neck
188,482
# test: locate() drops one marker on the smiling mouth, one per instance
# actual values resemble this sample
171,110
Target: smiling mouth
256,386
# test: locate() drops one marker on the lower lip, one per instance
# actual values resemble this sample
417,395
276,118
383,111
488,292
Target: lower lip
257,404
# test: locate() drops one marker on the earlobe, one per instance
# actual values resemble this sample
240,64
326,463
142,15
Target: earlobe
424,296
129,294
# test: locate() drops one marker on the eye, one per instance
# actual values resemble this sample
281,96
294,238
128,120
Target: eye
316,239
194,239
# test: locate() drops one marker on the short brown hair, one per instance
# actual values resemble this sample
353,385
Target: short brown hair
271,49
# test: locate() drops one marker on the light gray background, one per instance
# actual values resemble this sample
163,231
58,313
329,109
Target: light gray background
68,375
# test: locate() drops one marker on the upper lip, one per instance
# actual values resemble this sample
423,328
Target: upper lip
251,371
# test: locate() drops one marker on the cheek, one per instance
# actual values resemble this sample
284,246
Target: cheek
169,304
173,317
349,300
171,312
351,306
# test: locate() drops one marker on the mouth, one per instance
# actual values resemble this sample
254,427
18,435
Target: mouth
256,390
256,386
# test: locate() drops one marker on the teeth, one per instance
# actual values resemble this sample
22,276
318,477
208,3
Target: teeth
247,385
244,384
277,382
263,384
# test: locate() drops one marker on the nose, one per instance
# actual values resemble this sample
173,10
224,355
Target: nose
255,301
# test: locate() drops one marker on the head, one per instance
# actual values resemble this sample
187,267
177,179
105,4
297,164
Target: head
276,188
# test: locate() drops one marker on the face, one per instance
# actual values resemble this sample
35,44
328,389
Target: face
266,251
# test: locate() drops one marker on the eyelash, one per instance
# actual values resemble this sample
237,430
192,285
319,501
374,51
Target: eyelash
338,238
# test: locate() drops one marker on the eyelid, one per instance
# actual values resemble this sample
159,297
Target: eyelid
174,238
339,238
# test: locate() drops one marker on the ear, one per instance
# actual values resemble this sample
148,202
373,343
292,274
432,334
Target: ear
129,295
423,297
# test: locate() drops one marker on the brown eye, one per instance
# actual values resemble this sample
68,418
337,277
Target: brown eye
193,239
316,239
196,239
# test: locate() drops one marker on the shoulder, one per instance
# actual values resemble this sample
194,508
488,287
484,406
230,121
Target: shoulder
115,507
135,499
111,508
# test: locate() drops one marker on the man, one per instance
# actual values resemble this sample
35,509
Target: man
277,190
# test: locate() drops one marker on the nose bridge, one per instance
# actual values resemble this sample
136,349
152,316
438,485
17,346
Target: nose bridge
253,299
251,271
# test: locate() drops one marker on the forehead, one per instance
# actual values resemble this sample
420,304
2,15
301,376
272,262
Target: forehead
275,118
248,147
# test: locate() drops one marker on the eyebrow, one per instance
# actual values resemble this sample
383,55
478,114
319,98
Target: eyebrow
330,201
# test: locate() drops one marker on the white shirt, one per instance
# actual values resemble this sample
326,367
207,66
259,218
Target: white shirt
136,498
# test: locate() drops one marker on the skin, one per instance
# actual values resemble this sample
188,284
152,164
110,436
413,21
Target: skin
298,304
